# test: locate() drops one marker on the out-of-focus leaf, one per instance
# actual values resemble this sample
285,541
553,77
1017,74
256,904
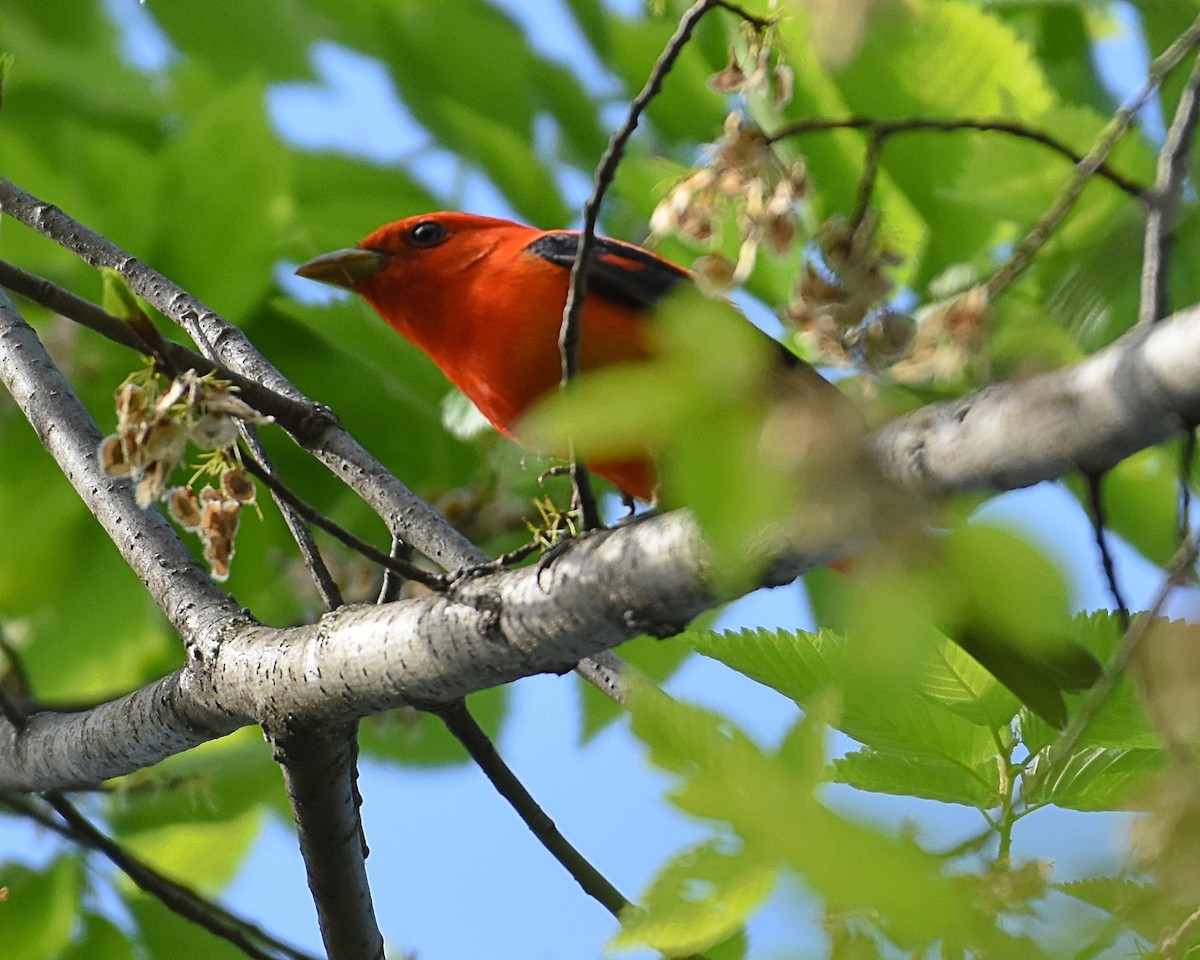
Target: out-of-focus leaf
723,776
101,939
37,914
702,897
1141,502
213,783
420,739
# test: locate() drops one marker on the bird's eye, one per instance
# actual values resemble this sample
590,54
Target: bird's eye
427,233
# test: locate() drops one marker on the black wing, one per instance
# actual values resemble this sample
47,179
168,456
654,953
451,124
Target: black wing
621,273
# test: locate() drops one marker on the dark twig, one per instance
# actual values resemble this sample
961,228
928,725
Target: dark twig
1187,460
569,334
460,722
322,579
1095,487
177,898
885,129
297,417
312,515
1087,166
1164,202
1177,574
866,182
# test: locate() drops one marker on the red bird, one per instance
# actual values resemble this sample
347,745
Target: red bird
484,299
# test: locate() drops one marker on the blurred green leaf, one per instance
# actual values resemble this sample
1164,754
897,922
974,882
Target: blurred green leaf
100,939
723,776
37,915
413,737
213,783
701,897
166,934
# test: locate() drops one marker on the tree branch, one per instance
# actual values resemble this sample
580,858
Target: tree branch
569,334
1164,201
1041,231
319,773
885,129
403,511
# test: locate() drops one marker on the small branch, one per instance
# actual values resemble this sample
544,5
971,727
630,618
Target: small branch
1172,941
1164,202
320,774
1177,576
403,511
1095,488
885,129
310,514
460,723
177,898
322,579
570,333
1091,162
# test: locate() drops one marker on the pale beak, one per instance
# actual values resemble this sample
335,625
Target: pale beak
343,268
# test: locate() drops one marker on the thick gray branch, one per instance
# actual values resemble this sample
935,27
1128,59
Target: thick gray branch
1134,393
612,586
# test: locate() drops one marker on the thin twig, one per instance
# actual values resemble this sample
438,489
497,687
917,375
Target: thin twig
460,722
1091,161
1164,201
1095,487
885,129
1177,575
311,515
1170,943
1187,460
569,334
297,417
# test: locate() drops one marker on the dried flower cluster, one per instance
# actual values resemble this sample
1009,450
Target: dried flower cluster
745,184
840,305
949,341
156,419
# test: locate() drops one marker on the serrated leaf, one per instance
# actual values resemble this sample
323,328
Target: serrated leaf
770,802
1145,907
1094,778
908,776
889,717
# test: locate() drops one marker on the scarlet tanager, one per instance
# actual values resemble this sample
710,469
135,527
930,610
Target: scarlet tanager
484,298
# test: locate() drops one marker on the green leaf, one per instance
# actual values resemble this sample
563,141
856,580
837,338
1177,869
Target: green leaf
723,776
1120,722
1093,778
6,62
213,783
907,776
892,717
417,738
166,934
703,896
37,915
204,855
101,939
226,175
1144,907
